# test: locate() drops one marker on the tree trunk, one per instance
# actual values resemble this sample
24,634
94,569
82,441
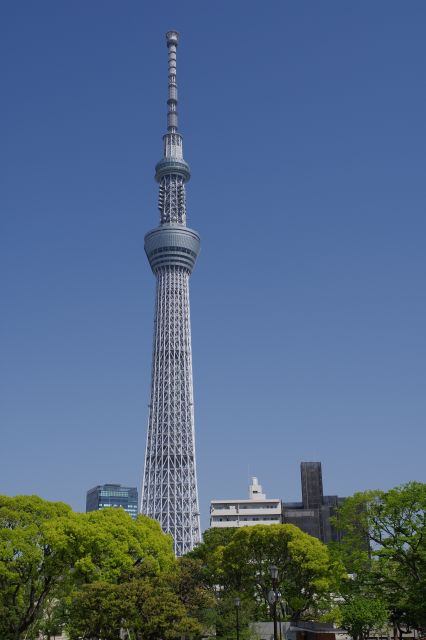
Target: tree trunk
395,631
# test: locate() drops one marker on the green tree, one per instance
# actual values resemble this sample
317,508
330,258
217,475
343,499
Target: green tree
46,551
361,615
145,607
97,611
392,566
213,539
306,574
52,621
189,583
34,558
107,543
238,563
225,619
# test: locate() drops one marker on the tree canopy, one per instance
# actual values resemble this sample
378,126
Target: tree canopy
102,573
238,563
35,559
384,548
361,615
144,607
47,550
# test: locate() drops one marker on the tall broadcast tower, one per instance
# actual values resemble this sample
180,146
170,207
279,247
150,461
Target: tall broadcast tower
169,490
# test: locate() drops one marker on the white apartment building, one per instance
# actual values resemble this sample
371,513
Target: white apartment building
258,509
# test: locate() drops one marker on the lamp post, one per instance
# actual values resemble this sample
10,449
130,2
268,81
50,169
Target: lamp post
273,596
237,603
219,588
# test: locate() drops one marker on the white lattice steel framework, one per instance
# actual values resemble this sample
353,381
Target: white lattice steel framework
169,489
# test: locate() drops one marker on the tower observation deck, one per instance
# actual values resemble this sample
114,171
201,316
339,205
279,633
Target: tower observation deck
169,488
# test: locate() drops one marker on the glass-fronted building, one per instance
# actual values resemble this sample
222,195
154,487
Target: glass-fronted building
113,495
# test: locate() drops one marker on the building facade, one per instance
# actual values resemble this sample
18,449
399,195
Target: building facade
258,509
169,488
113,495
313,514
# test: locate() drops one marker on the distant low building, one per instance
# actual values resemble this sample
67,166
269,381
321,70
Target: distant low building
258,509
113,495
313,514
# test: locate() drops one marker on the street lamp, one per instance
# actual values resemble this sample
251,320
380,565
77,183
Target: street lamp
237,603
273,570
273,596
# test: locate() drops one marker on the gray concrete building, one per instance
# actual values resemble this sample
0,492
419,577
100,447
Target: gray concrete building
313,514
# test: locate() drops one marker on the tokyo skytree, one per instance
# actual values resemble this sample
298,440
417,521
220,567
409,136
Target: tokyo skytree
169,489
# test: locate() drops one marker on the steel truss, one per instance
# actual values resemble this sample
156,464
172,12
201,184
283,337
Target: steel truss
172,200
169,492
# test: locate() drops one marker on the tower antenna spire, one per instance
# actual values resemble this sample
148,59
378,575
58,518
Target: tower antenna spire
172,39
172,172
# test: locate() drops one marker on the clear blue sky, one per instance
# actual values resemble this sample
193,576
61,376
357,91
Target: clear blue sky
304,125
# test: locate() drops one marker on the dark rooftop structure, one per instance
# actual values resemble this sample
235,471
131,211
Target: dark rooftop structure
312,515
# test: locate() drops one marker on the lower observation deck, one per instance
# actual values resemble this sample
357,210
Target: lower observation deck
172,245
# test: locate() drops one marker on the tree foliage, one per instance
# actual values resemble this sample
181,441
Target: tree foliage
238,563
108,542
306,575
46,551
102,572
392,567
189,583
144,607
144,602
35,559
361,615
